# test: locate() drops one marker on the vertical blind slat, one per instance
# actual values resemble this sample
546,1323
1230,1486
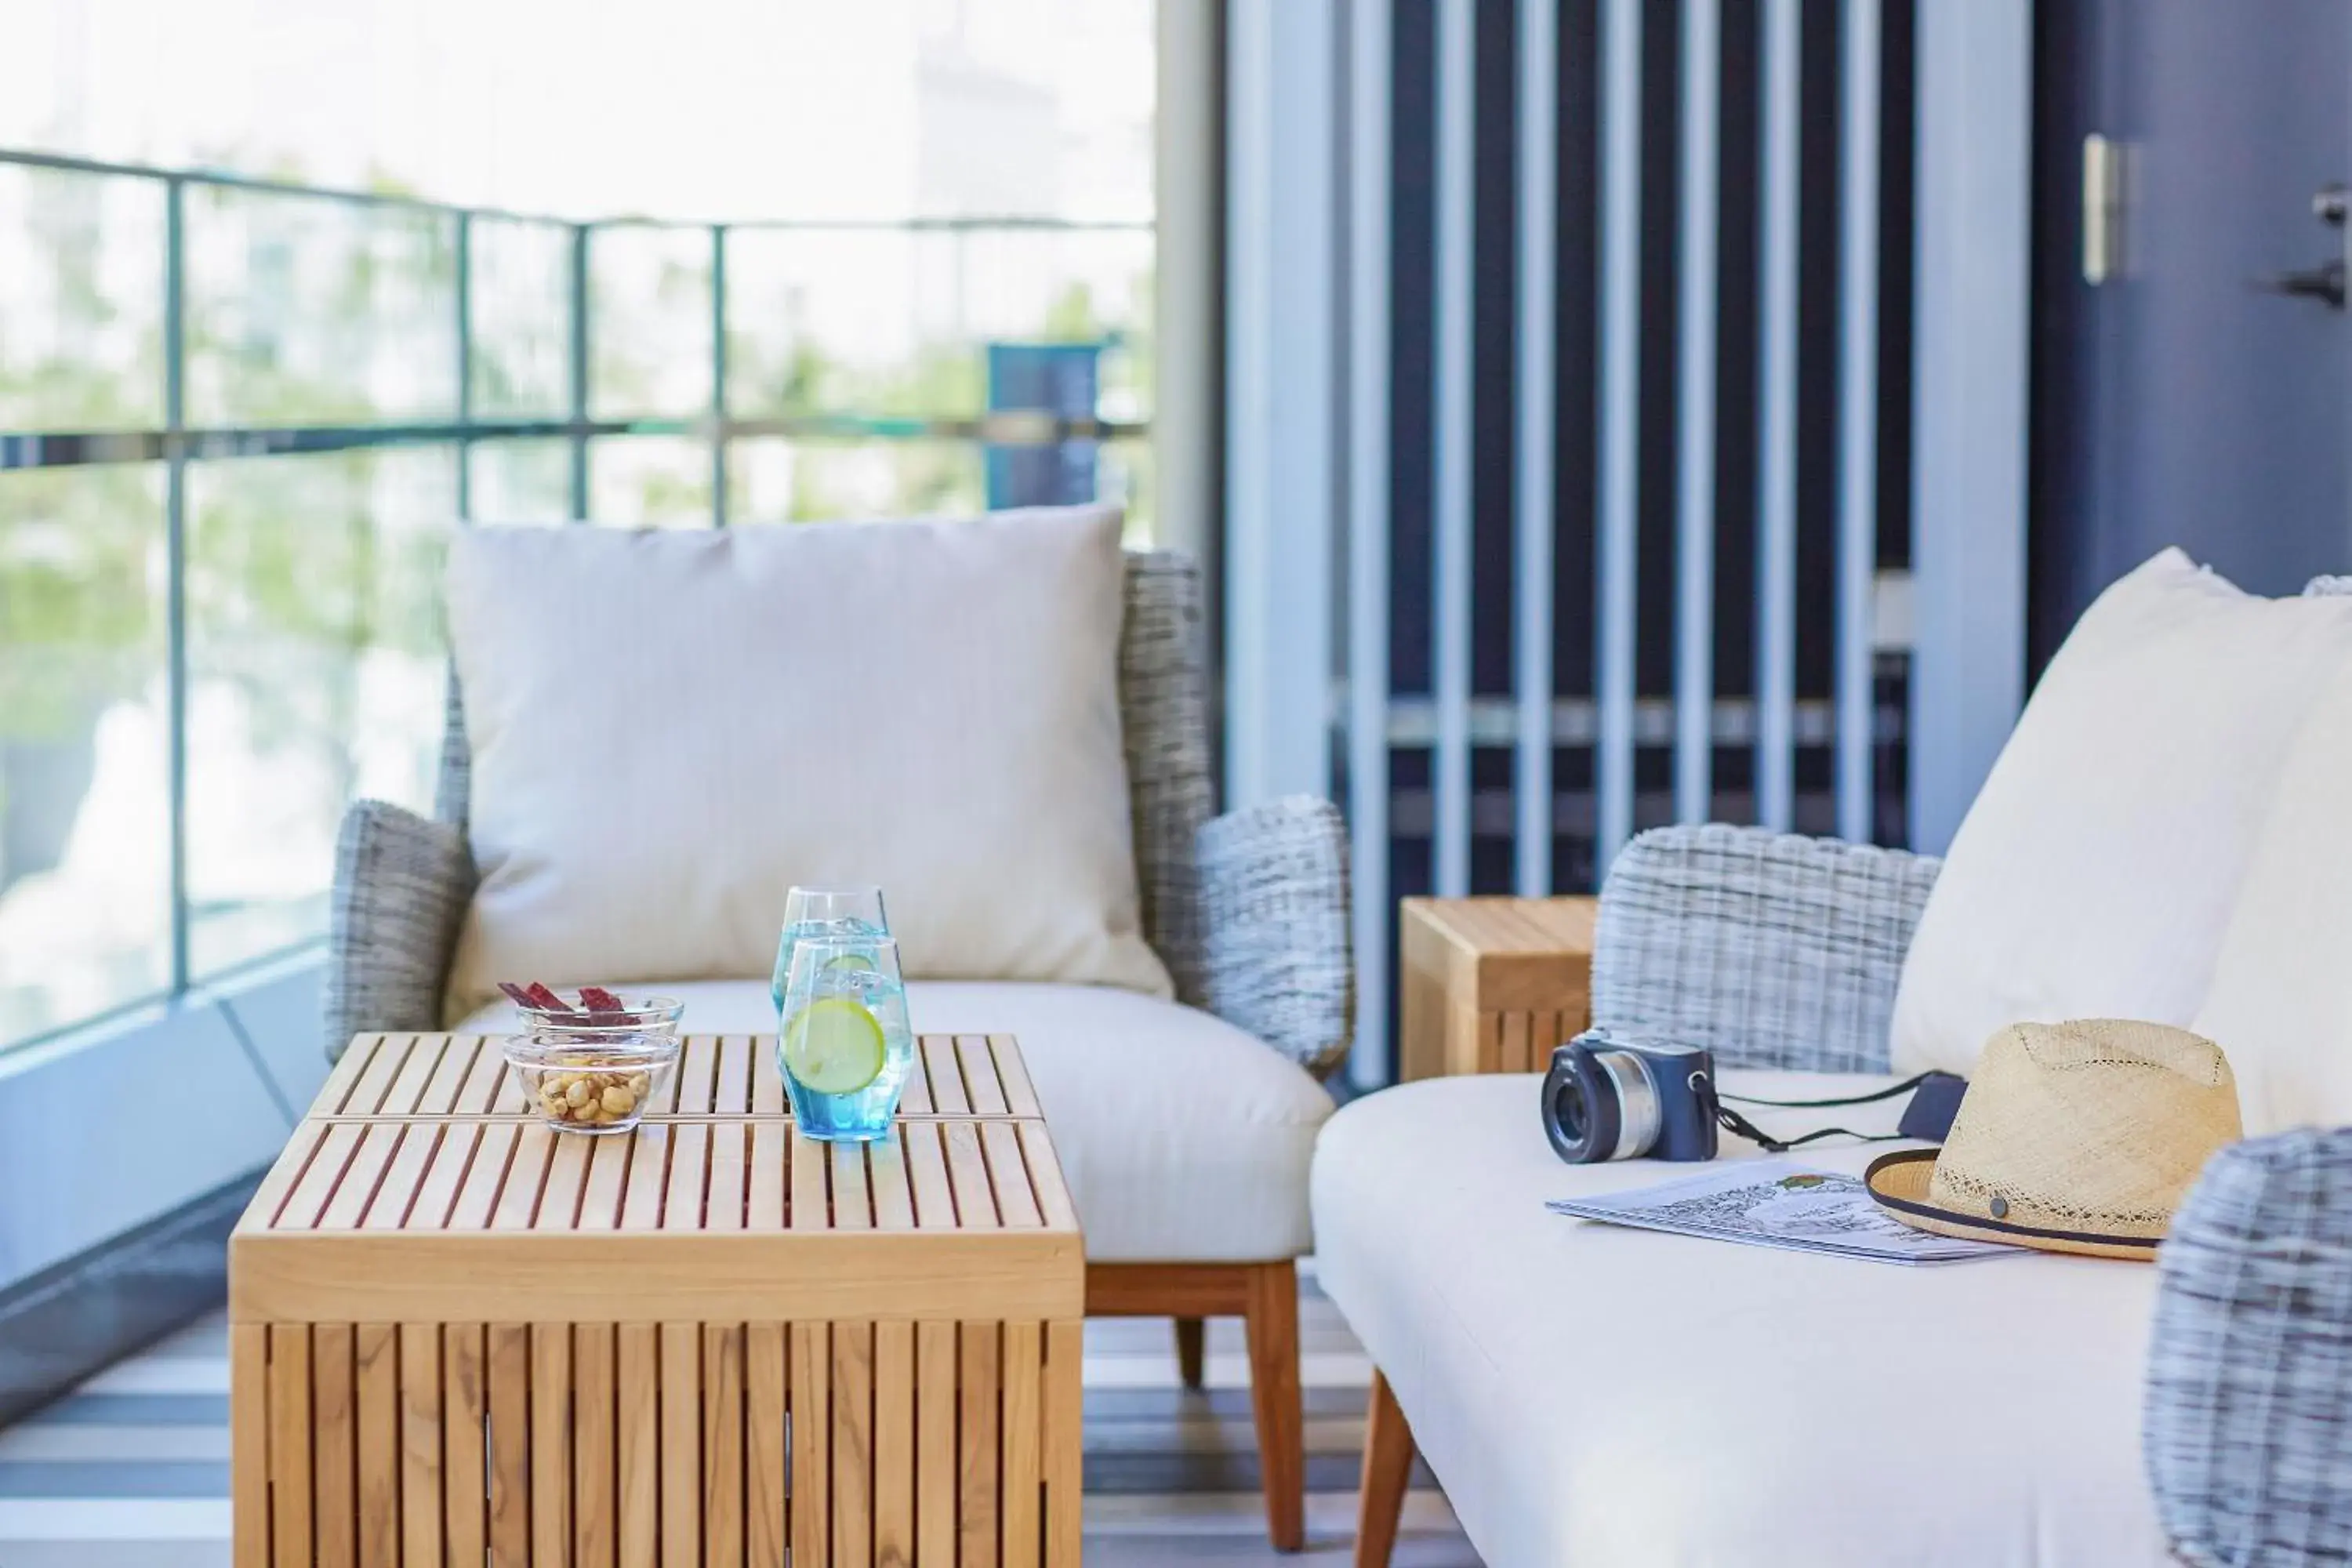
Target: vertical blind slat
1457,110
1702,93
1533,521
1370,51
1620,417
1857,516
1776,501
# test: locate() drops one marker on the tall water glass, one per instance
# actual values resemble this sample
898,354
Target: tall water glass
842,1042
848,911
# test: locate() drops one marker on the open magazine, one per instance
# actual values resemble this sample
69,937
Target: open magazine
1777,1202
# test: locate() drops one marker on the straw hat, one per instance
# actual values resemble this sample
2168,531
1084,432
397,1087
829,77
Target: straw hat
2079,1137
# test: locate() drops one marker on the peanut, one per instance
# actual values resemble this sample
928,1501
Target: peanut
592,1098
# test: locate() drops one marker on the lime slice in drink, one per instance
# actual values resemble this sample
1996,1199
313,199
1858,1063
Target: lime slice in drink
846,961
835,1046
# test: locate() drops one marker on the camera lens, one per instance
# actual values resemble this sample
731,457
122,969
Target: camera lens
1599,1103
1574,1113
1637,1102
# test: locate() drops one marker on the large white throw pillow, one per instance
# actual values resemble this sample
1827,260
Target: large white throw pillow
2279,1005
2094,874
669,730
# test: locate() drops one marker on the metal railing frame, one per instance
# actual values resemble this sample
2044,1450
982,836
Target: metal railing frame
176,443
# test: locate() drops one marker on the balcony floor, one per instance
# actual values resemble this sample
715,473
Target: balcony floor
130,1471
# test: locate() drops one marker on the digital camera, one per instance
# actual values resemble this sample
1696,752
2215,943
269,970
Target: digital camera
1607,1098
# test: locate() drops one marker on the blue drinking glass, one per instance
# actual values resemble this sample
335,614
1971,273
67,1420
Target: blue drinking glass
842,1042
848,911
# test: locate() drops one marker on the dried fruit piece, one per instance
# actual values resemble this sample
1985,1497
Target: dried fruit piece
602,1000
516,994
541,997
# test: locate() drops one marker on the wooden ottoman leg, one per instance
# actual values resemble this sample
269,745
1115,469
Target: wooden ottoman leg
1388,1467
1273,1318
1192,1349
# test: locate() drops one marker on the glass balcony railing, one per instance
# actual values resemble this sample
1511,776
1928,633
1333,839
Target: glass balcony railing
239,419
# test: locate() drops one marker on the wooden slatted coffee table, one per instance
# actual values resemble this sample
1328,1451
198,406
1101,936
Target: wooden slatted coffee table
455,1332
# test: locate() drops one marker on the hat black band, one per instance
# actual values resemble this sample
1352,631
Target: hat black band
1978,1222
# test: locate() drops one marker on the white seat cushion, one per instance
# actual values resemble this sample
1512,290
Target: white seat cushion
1589,1394
1184,1140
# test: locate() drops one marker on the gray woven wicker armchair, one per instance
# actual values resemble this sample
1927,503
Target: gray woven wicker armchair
1777,950
1248,910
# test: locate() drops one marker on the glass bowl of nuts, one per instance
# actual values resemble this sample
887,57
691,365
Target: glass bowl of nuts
593,1085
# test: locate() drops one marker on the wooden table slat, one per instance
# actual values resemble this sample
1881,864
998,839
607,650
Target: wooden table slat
321,1176
293,1164
917,1099
808,1194
927,1167
1008,1175
724,1207
408,1085
853,1202
768,1078
976,1199
698,1074
484,1176
946,1068
765,1211
690,1176
648,1180
981,1083
388,1210
894,1199
1020,1095
336,1092
487,1076
733,1095
1045,1177
439,1095
567,1181
526,1178
383,1066
608,1172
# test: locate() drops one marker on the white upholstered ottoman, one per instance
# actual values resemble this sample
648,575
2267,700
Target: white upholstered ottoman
1592,1394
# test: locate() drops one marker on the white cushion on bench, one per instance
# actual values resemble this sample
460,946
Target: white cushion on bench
1184,1140
1589,1394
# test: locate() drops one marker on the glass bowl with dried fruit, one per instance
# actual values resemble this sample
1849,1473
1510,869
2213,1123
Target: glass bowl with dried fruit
597,1085
592,1012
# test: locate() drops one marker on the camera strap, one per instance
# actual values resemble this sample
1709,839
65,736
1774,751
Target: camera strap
1732,1122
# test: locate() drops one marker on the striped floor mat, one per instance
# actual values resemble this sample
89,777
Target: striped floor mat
132,1469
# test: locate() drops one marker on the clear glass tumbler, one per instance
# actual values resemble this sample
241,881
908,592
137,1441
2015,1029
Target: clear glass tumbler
842,1041
853,912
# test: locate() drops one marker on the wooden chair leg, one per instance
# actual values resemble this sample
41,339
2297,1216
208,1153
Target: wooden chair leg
1388,1468
1273,1321
1192,1350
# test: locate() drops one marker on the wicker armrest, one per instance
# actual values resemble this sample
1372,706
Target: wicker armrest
1274,898
1769,948
402,884
2247,1426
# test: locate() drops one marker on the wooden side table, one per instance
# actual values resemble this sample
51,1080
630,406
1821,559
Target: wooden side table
1491,984
457,1333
